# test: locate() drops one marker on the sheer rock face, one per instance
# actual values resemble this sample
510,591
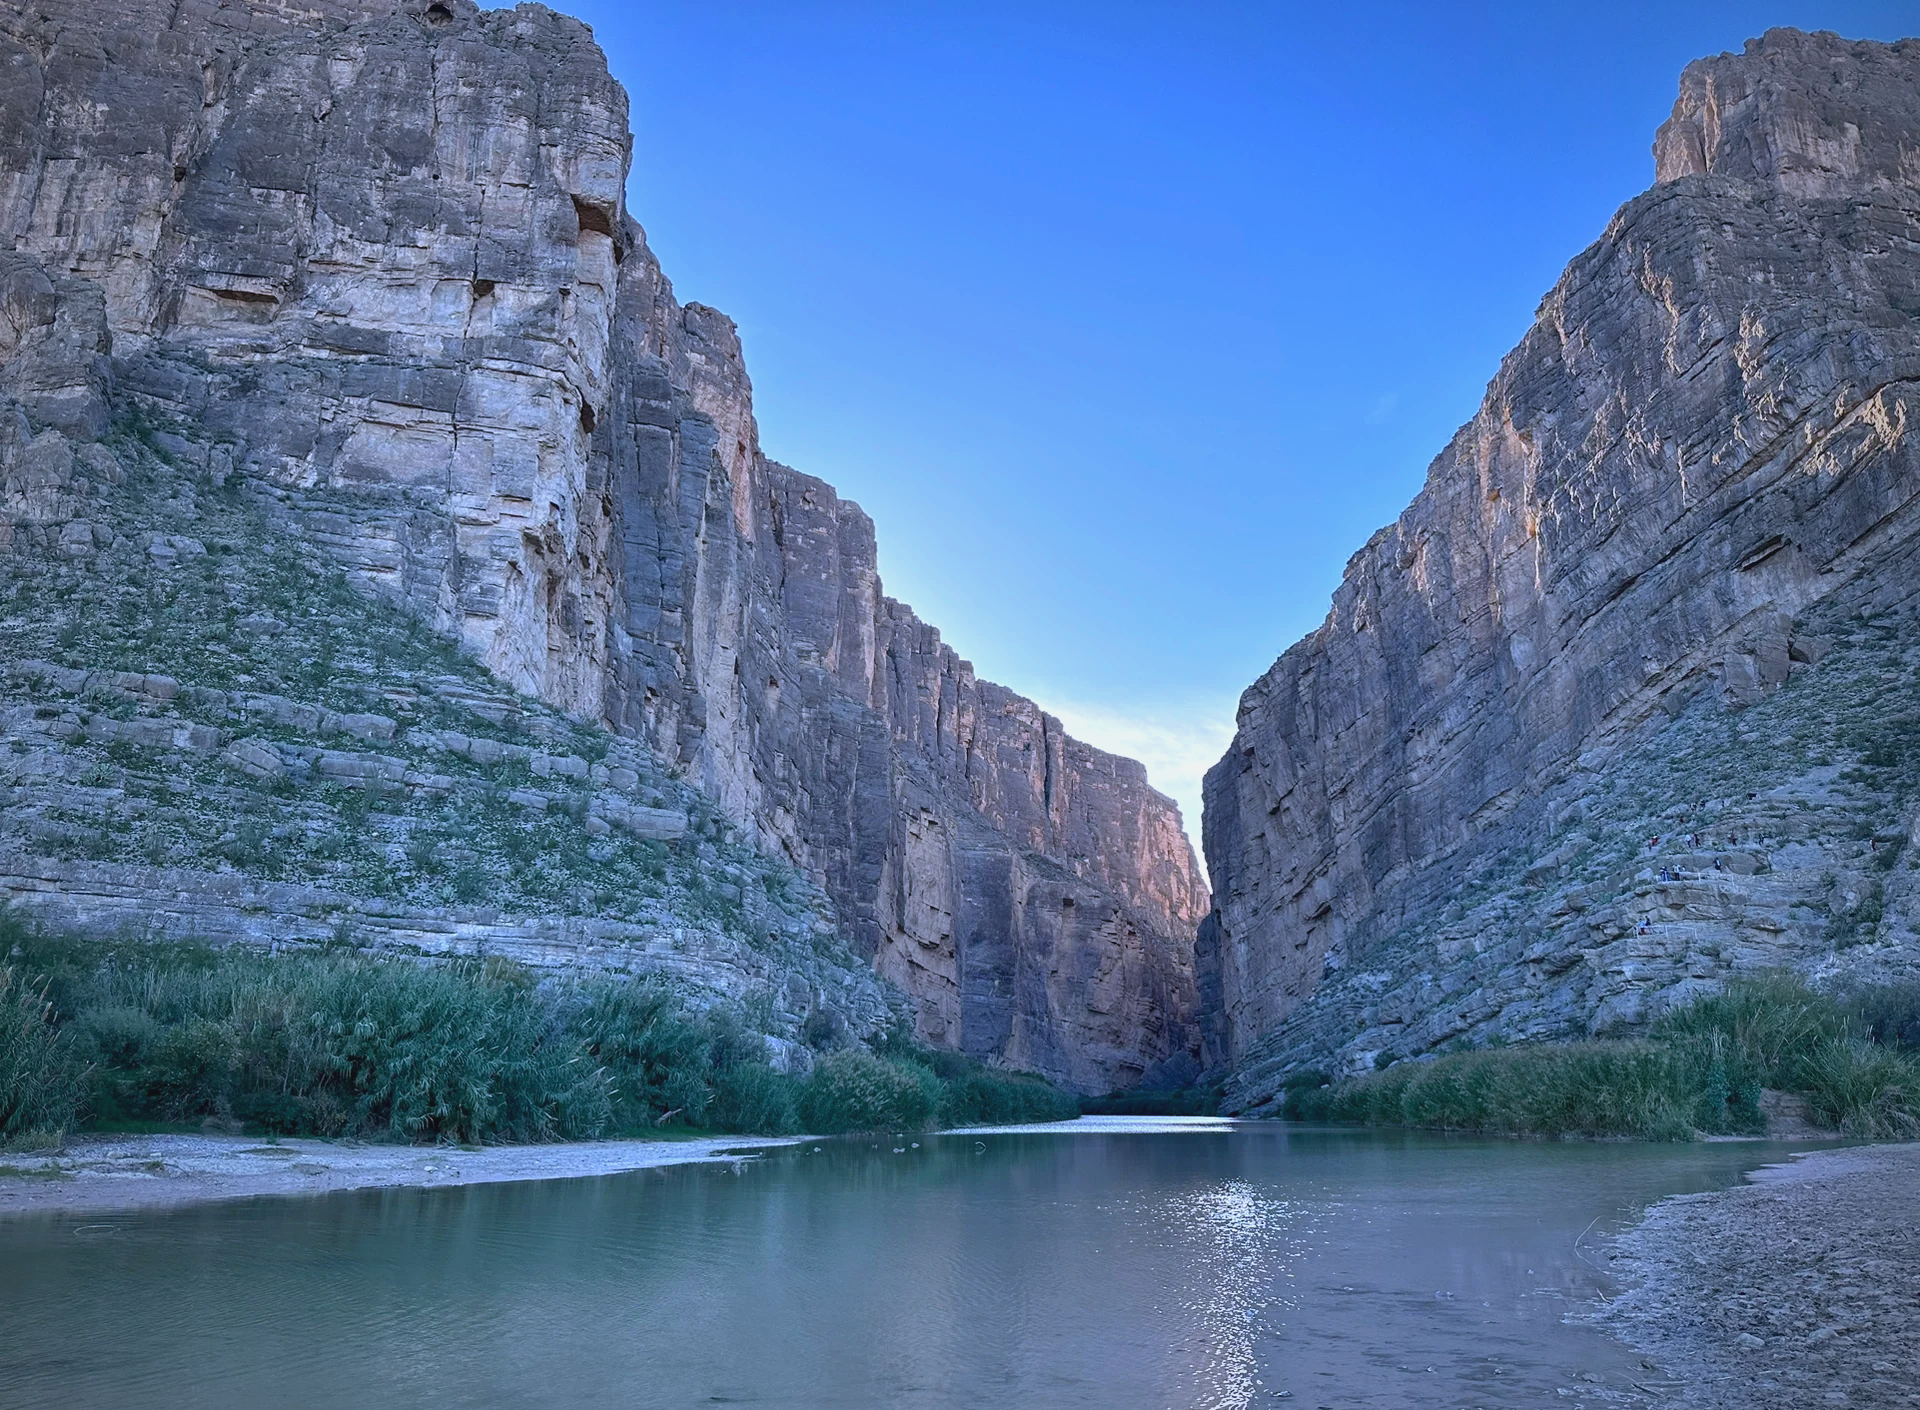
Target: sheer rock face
1032,894
380,253
1704,436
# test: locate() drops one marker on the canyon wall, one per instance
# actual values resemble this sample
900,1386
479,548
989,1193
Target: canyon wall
1592,724
374,261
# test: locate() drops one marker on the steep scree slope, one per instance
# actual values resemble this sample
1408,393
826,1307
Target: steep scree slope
1622,703
374,259
254,750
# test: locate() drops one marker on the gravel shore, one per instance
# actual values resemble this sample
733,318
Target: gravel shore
1799,1289
102,1173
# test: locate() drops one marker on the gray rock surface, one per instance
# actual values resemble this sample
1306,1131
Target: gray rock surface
333,773
375,258
1619,705
1795,1290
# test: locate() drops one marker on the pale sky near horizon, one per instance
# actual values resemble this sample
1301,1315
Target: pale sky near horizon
1128,324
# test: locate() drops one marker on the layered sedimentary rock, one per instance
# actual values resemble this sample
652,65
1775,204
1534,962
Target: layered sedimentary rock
1506,790
375,258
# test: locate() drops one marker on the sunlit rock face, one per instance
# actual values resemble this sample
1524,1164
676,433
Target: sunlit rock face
380,257
379,254
1692,480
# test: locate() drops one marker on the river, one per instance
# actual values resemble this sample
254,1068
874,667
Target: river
1110,1263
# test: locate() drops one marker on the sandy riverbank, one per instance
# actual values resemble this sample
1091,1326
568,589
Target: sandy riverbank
104,1173
1801,1289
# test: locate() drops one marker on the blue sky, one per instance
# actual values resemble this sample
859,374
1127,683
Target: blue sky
1128,324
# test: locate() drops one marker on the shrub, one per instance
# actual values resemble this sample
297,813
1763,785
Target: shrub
856,1091
1863,1089
323,1043
1702,1070
753,1097
334,1042
1183,1101
654,1055
42,1081
1889,1014
1596,1089
1727,1081
987,1098
973,1094
1767,1024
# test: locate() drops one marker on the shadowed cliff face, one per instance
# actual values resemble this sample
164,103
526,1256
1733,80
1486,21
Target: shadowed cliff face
1704,437
1032,894
377,256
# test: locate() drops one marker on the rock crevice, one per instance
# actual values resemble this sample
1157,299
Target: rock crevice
1683,485
376,258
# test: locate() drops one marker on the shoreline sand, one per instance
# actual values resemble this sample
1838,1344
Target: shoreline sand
1794,1290
103,1173
111,1173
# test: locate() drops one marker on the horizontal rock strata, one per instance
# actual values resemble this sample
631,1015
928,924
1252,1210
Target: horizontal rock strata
265,755
374,260
1506,789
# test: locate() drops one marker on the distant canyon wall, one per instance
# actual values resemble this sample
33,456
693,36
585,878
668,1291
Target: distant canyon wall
1705,439
381,253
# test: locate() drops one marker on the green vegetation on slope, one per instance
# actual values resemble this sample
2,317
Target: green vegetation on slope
338,1043
1702,1069
269,643
1720,842
197,703
196,693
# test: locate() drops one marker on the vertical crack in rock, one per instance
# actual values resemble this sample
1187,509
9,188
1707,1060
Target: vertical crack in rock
1566,749
382,252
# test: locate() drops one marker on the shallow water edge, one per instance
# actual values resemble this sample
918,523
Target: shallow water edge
109,1173
1194,1265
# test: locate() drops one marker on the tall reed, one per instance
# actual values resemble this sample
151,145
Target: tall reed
42,1079
348,1044
1702,1069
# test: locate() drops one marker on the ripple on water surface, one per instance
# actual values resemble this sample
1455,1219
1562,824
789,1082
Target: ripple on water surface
1114,1263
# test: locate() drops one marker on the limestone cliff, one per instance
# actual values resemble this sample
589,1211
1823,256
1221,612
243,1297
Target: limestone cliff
1561,752
373,260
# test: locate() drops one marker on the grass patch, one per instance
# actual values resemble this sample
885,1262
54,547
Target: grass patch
856,1091
338,1043
1860,1088
42,1076
1702,1070
860,1091
1889,1014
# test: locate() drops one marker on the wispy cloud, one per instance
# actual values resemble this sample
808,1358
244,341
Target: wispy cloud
1178,741
1382,408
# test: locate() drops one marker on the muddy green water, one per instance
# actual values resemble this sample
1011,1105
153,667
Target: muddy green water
1107,1264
